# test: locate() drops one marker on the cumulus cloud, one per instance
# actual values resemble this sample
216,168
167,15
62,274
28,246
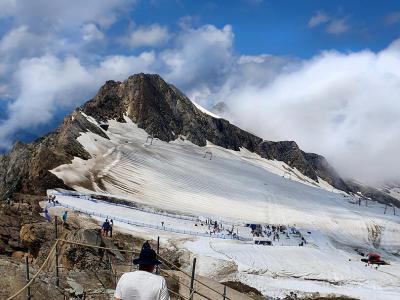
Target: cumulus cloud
342,105
40,82
44,15
48,84
147,36
91,33
201,57
43,46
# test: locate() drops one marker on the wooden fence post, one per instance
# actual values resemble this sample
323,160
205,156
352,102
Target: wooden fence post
158,252
192,279
56,237
27,277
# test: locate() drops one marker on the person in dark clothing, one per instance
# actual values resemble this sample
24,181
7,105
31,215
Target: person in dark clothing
111,227
46,215
105,228
146,245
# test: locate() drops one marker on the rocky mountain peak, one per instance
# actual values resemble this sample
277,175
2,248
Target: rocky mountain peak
163,111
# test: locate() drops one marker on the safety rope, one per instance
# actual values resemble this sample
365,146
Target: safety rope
187,274
124,251
136,252
36,275
98,247
179,295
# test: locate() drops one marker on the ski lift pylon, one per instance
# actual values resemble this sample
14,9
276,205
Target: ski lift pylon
150,137
208,153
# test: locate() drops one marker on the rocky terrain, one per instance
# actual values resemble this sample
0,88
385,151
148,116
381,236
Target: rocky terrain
165,113
84,272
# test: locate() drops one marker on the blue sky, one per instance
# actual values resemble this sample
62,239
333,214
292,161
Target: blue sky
323,73
279,27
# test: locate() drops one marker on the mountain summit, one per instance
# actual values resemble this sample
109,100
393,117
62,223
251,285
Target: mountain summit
163,112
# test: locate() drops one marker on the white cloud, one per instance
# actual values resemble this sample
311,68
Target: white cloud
201,56
48,83
333,25
337,26
47,15
43,28
119,67
344,106
91,33
7,7
45,84
147,36
319,18
19,40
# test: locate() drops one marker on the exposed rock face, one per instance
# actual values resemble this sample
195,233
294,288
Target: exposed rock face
165,112
160,109
372,193
26,167
21,228
310,164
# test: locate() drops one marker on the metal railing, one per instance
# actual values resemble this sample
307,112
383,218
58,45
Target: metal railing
133,206
152,226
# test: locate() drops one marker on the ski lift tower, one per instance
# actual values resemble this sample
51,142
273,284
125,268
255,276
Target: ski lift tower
208,153
150,138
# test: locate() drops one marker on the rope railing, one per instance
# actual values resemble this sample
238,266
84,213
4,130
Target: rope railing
36,275
98,247
172,265
187,274
187,286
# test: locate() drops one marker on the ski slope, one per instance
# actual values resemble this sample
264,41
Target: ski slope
240,186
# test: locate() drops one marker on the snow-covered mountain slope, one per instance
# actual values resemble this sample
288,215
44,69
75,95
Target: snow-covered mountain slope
233,184
242,187
178,174
391,189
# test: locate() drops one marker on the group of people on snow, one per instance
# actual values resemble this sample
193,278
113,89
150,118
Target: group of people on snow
51,199
107,227
276,232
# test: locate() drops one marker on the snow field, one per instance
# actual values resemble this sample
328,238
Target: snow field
241,187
